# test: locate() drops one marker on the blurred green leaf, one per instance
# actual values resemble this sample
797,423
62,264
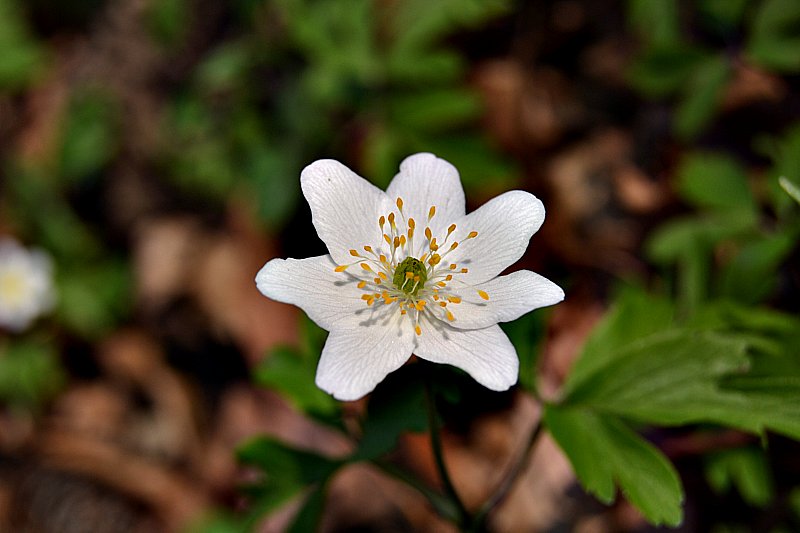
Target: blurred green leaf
168,20
723,15
92,299
604,452
775,36
310,514
433,110
90,135
657,23
291,373
30,372
701,96
286,470
746,469
225,68
752,273
21,57
714,181
663,70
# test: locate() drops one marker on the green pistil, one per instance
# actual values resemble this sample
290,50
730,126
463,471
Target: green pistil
401,280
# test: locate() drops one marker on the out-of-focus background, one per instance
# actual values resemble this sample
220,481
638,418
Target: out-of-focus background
150,153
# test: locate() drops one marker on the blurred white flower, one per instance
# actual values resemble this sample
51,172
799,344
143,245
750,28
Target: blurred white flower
410,272
26,285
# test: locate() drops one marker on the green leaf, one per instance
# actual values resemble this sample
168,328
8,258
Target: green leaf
723,15
168,20
701,96
90,135
774,38
92,299
663,70
752,273
30,372
286,470
655,22
291,373
604,452
395,407
747,469
674,239
433,110
310,514
714,181
21,57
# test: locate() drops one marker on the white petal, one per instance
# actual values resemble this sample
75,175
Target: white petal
344,207
425,180
510,297
313,286
505,225
360,353
485,354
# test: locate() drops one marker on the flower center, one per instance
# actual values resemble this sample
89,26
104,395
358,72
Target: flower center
410,274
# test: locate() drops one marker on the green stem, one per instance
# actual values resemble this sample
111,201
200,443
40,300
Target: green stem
507,483
464,518
442,505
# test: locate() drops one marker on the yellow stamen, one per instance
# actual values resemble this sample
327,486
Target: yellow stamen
464,270
368,249
428,233
387,239
402,240
361,284
441,283
409,275
454,299
341,268
396,243
383,276
382,221
434,260
451,229
453,266
483,295
391,219
450,316
377,281
448,277
417,330
454,245
400,203
382,258
443,304
472,234
366,267
411,223
431,212
354,253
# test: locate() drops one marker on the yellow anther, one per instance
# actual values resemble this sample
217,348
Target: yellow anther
382,221
441,284
411,223
464,270
434,246
361,284
472,234
409,275
370,301
383,276
397,242
448,277
402,240
454,245
382,258
377,281
399,203
365,297
368,249
454,299
354,253
428,233
417,330
451,229
431,212
435,297
416,279
424,256
443,304
403,312
366,267
410,233
483,295
453,266
387,239
434,260
420,304
391,219
450,316
341,268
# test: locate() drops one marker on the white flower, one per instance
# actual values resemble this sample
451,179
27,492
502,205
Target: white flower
26,285
410,272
